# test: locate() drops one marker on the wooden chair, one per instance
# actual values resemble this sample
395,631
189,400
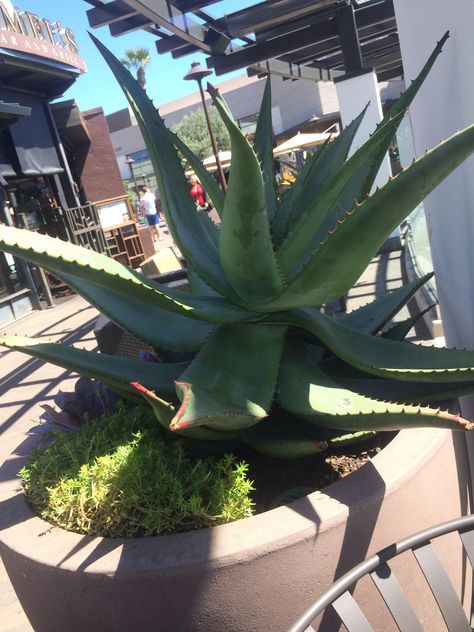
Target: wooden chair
339,596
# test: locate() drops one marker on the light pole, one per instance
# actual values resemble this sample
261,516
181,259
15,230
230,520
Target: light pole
197,73
129,160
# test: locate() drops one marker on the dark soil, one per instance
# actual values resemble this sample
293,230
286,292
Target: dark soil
279,481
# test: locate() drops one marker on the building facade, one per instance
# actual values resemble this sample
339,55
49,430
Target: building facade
296,106
53,158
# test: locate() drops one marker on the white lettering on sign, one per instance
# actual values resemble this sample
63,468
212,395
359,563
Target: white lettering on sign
27,32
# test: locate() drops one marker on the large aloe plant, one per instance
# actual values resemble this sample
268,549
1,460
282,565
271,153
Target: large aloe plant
269,369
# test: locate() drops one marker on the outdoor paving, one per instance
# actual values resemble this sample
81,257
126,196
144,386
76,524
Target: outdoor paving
27,382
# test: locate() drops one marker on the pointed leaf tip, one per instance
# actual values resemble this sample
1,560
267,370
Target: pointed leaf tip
140,388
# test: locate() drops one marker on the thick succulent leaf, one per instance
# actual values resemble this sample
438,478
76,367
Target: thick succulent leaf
231,383
374,316
113,371
246,248
306,390
337,195
400,330
157,327
198,286
210,228
63,258
364,176
285,438
365,181
286,205
328,275
341,441
264,149
207,180
165,412
180,211
386,358
407,97
321,168
394,390
367,177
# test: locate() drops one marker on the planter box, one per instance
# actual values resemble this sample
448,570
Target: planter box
255,574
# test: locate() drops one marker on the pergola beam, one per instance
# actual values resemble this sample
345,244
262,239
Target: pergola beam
172,19
371,51
349,38
292,71
109,13
266,15
192,5
391,73
310,39
189,49
251,54
331,47
130,25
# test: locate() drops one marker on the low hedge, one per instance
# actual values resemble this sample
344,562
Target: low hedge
121,477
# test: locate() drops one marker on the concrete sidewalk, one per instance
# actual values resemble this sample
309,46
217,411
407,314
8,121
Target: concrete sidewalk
26,383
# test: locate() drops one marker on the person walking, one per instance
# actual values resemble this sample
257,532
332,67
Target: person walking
148,206
197,193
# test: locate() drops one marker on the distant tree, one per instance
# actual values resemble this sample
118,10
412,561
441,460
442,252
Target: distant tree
137,59
192,130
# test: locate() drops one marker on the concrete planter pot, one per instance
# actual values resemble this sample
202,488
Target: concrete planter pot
254,574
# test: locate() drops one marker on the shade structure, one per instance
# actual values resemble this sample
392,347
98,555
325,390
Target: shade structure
301,141
224,157
317,40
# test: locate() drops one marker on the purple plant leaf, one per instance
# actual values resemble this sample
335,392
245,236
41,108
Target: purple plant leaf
62,398
61,418
43,428
148,356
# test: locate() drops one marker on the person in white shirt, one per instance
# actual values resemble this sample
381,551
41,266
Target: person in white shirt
148,206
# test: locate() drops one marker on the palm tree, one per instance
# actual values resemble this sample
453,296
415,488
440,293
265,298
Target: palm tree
137,59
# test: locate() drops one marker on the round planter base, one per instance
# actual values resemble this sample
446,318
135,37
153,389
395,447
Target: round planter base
254,574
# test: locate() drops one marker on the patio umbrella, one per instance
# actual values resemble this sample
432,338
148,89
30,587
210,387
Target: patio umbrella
210,162
300,141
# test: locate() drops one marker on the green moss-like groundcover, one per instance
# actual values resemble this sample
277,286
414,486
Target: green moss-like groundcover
119,477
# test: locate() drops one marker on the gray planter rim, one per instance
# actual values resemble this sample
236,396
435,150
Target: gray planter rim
23,532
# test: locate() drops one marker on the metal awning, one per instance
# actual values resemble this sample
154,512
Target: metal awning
12,112
41,76
310,39
70,122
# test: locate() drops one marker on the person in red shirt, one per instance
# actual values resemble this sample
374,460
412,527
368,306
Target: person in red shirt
197,193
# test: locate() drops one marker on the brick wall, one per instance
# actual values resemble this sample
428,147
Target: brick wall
96,162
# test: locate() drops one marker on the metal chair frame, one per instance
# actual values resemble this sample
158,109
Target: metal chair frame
339,597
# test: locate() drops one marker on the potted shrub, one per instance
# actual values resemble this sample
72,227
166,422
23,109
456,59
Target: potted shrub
267,370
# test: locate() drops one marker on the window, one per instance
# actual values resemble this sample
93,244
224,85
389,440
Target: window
248,124
143,169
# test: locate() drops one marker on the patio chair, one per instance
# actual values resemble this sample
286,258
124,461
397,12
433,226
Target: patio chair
339,596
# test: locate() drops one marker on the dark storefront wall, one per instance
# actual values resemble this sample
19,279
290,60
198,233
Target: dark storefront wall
32,140
29,163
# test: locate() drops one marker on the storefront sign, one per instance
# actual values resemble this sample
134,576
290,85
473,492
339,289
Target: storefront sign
26,32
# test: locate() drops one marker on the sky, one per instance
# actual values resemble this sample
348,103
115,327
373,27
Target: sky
98,87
